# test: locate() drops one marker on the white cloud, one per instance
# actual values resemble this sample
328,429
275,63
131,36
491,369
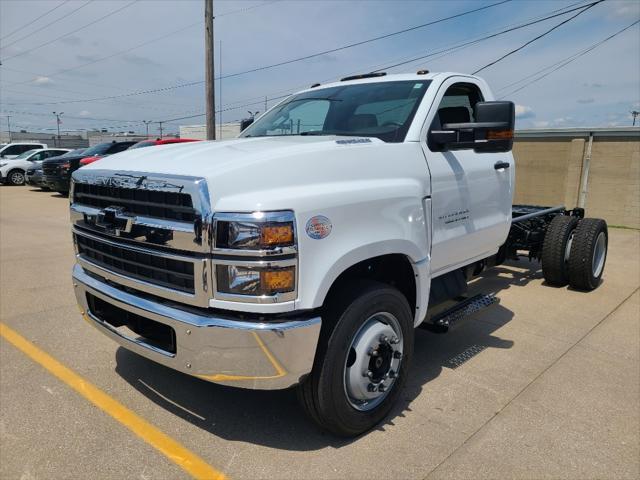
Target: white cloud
84,113
522,111
541,124
42,81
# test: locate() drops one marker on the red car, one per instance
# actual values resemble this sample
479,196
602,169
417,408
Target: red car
143,143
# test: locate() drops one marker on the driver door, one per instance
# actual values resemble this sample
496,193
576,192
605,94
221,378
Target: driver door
470,198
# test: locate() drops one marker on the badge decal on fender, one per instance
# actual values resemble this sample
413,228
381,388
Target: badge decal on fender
318,227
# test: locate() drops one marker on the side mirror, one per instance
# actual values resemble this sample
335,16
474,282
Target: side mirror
491,132
245,122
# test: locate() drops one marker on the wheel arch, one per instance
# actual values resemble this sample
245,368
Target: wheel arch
399,267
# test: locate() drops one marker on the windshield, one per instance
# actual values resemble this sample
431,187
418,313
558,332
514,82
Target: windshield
144,143
383,110
97,149
26,154
73,153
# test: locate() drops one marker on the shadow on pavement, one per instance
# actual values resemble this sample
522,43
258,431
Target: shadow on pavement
273,418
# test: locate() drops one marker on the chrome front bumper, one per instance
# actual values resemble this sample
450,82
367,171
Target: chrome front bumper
266,356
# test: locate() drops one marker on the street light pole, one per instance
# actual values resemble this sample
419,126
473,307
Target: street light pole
160,123
9,127
58,115
146,124
635,113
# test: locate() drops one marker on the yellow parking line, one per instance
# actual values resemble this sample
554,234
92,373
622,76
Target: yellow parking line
187,460
222,377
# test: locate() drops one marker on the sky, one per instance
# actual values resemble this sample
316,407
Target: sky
63,56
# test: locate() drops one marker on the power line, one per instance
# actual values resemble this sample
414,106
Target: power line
482,39
63,17
87,25
363,42
562,63
200,82
34,20
537,37
148,42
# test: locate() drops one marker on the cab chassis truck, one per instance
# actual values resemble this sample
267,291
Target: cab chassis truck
306,251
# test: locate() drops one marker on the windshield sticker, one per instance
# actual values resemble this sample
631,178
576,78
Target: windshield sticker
318,227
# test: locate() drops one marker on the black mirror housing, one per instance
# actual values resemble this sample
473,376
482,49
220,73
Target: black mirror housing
245,122
491,132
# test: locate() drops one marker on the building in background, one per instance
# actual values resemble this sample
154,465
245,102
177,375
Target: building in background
51,139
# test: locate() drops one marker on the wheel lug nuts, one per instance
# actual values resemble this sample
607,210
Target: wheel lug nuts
374,353
371,387
392,374
383,338
368,373
395,340
397,354
382,388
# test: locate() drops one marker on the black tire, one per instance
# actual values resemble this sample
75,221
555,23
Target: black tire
555,265
588,254
16,177
323,393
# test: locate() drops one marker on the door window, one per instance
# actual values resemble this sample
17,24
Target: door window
18,149
457,106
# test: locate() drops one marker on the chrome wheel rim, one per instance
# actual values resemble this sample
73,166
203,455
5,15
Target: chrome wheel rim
17,178
599,254
373,361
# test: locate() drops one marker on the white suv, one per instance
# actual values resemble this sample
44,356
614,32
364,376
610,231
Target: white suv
14,170
12,150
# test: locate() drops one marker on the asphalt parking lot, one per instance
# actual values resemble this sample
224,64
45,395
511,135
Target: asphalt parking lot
550,387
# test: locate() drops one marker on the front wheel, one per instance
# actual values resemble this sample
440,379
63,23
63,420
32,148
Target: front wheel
16,177
362,361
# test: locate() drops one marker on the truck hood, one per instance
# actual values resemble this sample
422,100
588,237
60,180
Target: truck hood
249,167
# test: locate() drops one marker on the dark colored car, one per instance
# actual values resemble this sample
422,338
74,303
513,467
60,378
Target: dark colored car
35,177
57,172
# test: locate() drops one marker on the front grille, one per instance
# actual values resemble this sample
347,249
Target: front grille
50,169
152,203
155,269
154,333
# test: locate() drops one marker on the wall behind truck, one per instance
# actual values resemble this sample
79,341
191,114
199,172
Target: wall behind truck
553,165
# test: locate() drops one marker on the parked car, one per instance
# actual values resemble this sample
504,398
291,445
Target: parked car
12,150
57,171
306,251
142,144
35,176
14,170
163,141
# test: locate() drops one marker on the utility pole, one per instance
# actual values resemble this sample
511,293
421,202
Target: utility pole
146,124
210,93
58,115
635,113
9,127
220,88
160,123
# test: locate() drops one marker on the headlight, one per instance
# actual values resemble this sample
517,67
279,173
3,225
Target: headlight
255,256
255,281
255,231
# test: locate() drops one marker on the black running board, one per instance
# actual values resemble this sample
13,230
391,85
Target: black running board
461,310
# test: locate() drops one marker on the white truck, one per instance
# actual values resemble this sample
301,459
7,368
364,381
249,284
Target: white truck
306,251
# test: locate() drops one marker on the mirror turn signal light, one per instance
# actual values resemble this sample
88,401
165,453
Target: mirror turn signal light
499,134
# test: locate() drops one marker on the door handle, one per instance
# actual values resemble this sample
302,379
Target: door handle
501,165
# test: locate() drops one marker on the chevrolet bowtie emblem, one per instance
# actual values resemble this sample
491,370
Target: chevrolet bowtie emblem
114,220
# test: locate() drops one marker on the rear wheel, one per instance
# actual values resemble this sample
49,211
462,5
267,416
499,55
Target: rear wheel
361,364
588,254
16,177
556,250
